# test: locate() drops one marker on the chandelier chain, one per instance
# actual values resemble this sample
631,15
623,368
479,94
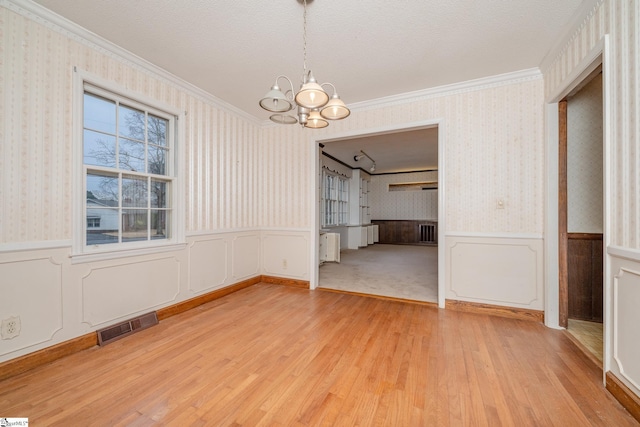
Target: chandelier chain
304,38
315,106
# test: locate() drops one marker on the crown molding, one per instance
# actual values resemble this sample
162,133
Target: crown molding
59,24
439,91
571,30
451,89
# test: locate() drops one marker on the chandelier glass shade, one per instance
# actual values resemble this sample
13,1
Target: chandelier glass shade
314,105
315,120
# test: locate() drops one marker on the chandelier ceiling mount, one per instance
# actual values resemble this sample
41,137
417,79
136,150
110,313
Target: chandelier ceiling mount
314,105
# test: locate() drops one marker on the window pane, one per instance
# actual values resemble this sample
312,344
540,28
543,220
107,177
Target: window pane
134,192
131,123
99,114
102,190
99,149
157,160
159,224
123,203
102,225
131,155
158,194
134,225
157,131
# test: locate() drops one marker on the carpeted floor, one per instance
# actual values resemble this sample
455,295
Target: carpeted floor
399,271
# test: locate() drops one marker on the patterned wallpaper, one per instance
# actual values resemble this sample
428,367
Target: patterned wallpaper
619,19
237,174
585,159
419,204
221,152
493,144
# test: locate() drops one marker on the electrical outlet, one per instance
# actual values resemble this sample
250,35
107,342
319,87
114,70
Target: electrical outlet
10,327
284,264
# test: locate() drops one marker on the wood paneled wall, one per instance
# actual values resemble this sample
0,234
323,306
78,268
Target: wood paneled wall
585,271
403,232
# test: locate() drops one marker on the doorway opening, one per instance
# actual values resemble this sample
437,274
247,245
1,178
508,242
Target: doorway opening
375,266
581,213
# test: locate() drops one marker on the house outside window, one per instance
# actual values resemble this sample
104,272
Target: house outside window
93,222
128,172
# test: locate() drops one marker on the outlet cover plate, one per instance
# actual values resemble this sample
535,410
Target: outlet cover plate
10,327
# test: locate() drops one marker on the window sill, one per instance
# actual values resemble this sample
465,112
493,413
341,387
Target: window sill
105,255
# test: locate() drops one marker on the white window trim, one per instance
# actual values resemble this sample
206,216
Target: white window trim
327,172
81,253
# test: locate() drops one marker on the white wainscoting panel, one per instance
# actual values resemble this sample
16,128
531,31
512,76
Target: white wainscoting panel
626,318
208,264
117,290
246,256
31,289
286,254
500,271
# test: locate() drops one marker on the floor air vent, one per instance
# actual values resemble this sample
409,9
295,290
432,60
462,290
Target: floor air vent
121,330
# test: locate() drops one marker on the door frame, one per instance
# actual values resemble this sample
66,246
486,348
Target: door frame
314,194
554,295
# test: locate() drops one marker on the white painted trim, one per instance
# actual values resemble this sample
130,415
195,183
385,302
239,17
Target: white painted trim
551,241
442,214
125,253
624,253
242,230
607,150
77,161
571,30
34,246
497,235
314,208
296,230
451,89
588,64
439,91
615,333
599,54
57,23
80,252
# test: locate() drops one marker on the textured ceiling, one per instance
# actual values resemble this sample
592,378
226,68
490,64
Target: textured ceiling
368,49
410,150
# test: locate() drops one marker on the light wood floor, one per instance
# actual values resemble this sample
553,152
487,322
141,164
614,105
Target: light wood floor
589,334
283,356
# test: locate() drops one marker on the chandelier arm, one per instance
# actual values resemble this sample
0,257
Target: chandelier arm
288,94
314,104
332,86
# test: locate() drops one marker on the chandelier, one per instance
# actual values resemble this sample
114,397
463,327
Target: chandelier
314,105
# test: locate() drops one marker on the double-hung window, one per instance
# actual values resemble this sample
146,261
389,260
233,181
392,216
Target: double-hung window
335,199
128,172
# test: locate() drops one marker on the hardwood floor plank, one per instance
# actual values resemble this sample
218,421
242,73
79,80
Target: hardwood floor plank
272,355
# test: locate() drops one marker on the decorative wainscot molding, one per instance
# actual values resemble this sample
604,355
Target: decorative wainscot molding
30,300
208,264
120,290
246,256
286,254
626,318
495,270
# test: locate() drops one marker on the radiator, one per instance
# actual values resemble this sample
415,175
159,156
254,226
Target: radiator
428,233
330,247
